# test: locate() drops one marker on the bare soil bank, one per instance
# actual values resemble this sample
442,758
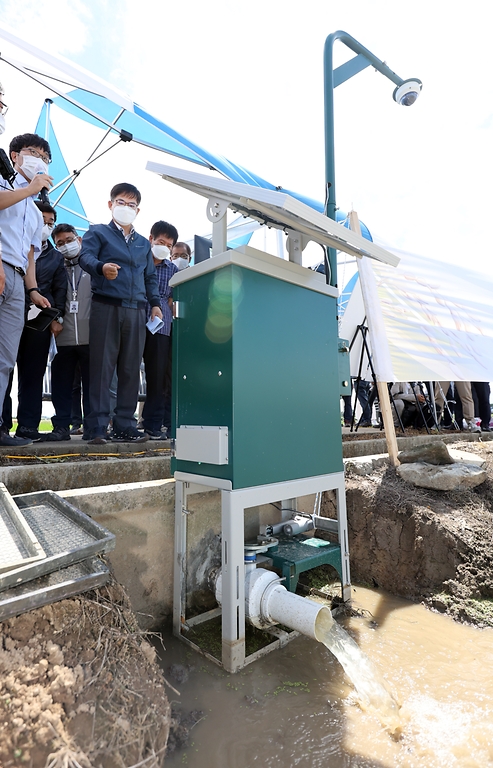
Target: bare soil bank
79,686
426,545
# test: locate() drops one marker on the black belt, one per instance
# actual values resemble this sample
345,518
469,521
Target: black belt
17,269
115,302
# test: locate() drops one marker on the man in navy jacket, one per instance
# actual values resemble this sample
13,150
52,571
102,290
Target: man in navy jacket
123,276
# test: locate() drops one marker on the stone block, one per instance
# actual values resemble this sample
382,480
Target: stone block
435,452
442,478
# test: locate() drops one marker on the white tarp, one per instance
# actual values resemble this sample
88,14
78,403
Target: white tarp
437,319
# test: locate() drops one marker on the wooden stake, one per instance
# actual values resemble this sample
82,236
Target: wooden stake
383,391
388,422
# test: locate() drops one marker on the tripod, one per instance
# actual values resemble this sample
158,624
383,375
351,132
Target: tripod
427,399
447,406
363,330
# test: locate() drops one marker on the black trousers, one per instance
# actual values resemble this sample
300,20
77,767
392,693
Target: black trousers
76,413
116,339
156,364
482,391
63,370
456,409
31,366
167,391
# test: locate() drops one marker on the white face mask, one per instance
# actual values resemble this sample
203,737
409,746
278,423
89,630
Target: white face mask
124,215
46,232
70,250
180,262
2,124
160,252
31,166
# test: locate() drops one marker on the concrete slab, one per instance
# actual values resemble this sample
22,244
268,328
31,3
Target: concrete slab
60,476
465,457
379,444
77,445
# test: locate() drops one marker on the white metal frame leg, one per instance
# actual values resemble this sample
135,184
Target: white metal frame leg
233,582
180,556
343,540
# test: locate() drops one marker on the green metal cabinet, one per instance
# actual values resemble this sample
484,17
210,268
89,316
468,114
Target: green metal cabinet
258,353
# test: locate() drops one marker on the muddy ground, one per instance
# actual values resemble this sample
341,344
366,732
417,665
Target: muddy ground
80,687
424,545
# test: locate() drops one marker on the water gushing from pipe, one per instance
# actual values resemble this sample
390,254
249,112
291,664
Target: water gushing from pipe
368,683
268,602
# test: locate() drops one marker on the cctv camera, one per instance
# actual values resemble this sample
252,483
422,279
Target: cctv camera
407,93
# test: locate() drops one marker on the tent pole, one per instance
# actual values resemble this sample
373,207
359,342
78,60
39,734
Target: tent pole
77,173
383,390
105,135
48,103
65,96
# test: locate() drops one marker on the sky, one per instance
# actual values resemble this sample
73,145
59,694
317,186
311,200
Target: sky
246,81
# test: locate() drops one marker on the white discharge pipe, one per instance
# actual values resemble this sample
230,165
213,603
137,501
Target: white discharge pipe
268,602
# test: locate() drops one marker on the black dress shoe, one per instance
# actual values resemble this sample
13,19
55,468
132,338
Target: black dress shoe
13,442
29,433
130,435
58,434
97,436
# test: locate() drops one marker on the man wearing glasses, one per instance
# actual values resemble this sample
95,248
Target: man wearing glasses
21,224
123,276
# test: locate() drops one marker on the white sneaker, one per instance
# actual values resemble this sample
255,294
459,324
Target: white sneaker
471,426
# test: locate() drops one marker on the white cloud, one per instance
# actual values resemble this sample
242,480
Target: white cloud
60,27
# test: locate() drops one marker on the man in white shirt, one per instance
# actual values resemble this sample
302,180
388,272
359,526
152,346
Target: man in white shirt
21,224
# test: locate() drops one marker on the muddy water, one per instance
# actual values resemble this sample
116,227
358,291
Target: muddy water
296,707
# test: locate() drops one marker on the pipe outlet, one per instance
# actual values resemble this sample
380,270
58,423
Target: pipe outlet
278,606
268,602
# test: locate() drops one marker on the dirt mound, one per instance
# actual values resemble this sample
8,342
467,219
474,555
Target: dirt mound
420,544
79,686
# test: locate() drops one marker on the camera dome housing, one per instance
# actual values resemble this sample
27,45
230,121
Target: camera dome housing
407,93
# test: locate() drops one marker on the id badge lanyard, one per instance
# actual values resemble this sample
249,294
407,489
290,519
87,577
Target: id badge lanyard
74,304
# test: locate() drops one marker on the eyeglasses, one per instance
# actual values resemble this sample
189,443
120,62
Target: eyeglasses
3,108
35,153
133,206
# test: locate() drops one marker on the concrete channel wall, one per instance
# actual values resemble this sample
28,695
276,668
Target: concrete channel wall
141,515
139,510
82,474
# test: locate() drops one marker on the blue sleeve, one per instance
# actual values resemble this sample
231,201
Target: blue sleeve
151,283
89,255
59,286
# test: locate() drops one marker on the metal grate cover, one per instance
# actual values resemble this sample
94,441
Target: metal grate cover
18,544
65,533
65,582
